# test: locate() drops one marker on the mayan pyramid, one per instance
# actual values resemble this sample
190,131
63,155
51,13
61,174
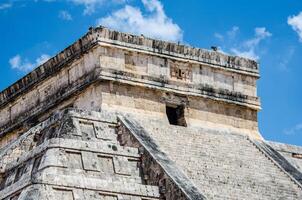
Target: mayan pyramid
116,116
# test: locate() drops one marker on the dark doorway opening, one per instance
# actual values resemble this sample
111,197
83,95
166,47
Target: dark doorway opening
176,115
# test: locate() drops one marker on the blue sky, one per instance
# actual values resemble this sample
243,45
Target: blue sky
269,31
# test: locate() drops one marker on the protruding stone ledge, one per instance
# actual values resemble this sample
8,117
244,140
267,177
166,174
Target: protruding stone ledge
206,91
175,50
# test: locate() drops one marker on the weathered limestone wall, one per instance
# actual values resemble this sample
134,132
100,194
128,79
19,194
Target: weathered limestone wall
50,93
143,101
177,71
121,72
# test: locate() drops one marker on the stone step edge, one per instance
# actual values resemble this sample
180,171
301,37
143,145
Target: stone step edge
97,184
279,160
59,143
101,185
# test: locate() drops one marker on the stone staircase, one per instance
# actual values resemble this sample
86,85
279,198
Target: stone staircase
221,164
73,156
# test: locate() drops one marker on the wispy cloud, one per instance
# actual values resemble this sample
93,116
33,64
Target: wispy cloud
296,23
286,57
233,32
92,5
248,47
24,65
294,130
4,6
219,36
229,35
65,15
153,23
244,48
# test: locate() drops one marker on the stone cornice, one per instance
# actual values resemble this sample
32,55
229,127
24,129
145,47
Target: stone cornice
142,43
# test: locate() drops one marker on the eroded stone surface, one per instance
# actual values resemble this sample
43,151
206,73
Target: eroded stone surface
65,160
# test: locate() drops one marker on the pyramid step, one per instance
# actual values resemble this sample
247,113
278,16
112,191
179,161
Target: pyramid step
77,158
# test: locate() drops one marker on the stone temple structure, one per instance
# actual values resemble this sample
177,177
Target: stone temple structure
116,116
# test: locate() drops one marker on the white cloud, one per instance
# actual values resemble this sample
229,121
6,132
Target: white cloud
233,32
260,34
286,57
229,35
5,6
218,36
153,23
25,65
294,130
65,15
248,48
91,5
296,23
